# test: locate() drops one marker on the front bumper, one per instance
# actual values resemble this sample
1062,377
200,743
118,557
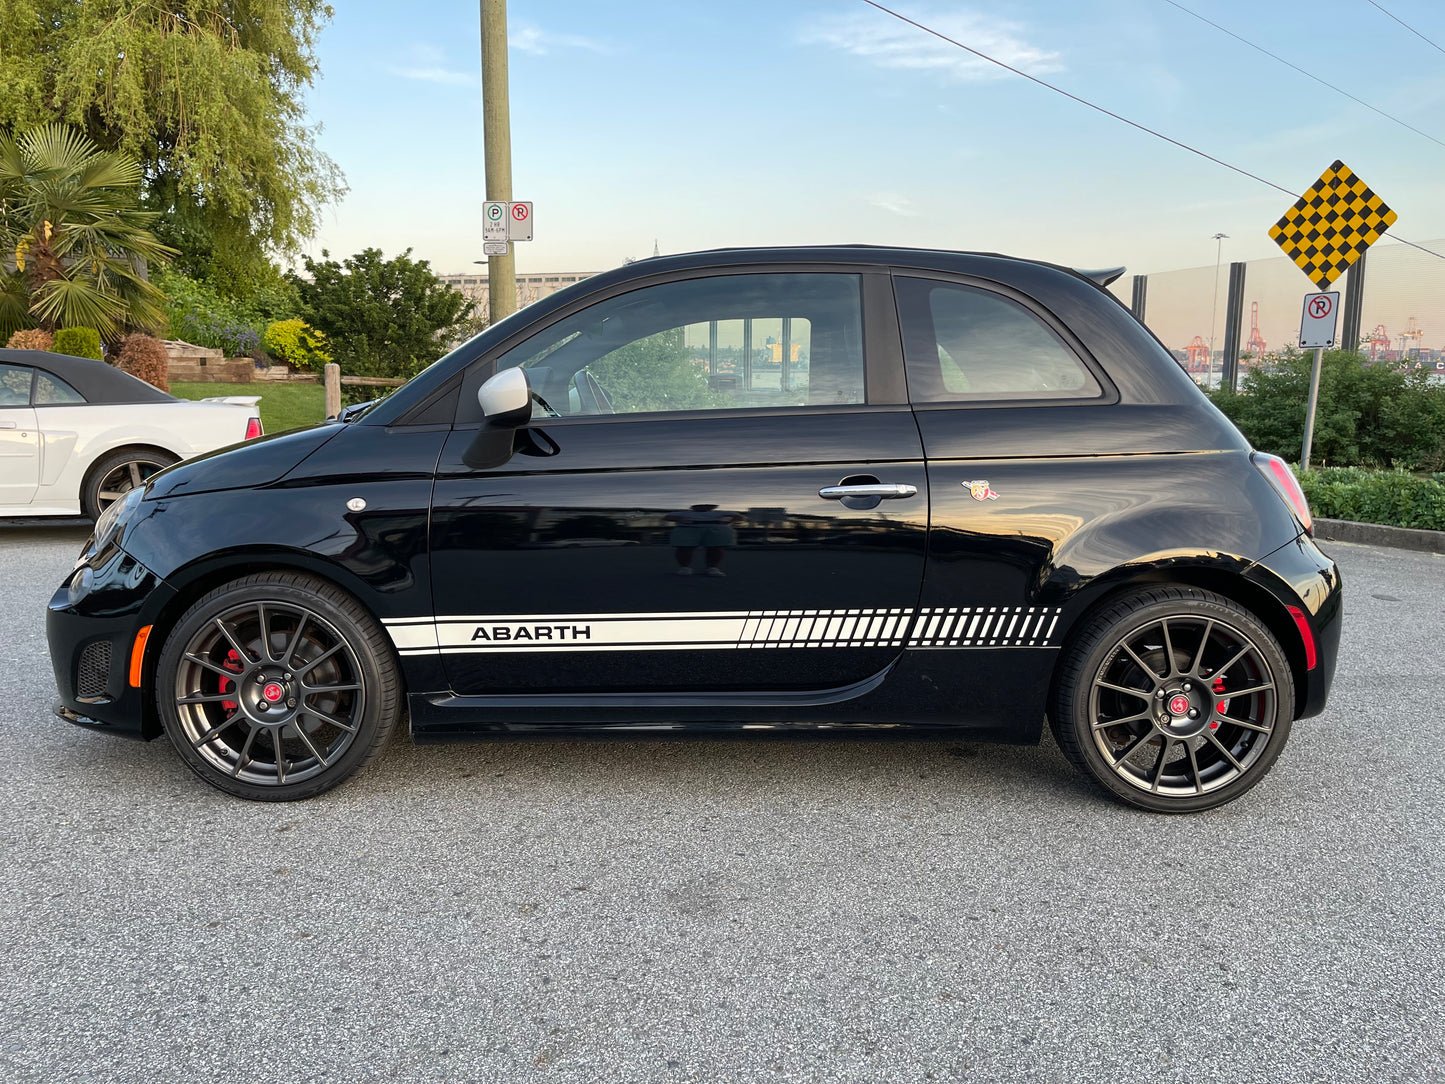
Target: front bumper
91,625
1302,576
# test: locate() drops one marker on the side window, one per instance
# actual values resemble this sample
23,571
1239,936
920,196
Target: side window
963,344
15,385
718,343
52,391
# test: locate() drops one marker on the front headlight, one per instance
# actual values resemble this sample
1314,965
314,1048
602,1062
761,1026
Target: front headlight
110,522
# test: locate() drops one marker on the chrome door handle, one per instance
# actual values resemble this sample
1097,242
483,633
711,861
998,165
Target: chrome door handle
888,491
7,425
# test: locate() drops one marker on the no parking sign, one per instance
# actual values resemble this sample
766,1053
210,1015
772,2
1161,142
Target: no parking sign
1317,324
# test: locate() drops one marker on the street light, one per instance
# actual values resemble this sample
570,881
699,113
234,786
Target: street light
1220,238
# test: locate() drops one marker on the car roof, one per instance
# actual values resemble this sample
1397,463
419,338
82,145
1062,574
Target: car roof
97,381
883,255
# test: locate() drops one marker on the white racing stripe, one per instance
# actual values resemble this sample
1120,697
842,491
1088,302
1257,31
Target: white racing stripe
906,627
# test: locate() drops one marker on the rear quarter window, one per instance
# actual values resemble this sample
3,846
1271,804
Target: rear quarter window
52,391
964,344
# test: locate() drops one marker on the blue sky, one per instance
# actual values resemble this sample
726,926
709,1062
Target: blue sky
801,121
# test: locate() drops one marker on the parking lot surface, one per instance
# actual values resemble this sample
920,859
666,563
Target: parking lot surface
716,910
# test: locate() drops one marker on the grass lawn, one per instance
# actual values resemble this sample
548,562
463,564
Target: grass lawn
282,406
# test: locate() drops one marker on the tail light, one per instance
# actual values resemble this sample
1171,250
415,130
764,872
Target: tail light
253,429
1277,471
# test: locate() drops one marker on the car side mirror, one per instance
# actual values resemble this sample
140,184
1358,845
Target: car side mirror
506,400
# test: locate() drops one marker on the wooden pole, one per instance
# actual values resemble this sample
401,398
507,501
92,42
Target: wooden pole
497,148
332,373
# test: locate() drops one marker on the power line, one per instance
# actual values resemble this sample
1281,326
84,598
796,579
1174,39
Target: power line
1302,71
1408,27
1082,101
1107,112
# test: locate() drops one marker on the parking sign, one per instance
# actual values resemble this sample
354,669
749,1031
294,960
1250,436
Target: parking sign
494,221
1317,323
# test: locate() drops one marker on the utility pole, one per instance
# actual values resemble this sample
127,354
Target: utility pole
1220,238
497,145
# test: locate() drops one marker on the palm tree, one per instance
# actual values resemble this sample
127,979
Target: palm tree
78,245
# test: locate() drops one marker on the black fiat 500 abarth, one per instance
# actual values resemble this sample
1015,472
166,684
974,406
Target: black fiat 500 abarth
832,490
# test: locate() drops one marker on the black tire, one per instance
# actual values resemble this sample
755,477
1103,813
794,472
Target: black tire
286,715
1173,699
117,474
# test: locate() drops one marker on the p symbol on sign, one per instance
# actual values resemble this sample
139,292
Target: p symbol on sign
1320,306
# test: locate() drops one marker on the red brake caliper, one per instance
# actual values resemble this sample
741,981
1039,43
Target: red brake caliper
232,663
1218,688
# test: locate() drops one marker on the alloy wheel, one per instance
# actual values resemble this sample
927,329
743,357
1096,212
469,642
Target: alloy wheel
269,693
123,478
1183,705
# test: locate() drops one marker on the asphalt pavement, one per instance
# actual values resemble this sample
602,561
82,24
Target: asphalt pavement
816,910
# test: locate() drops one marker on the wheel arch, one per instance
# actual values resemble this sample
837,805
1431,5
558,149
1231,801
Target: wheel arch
1231,583
191,582
131,446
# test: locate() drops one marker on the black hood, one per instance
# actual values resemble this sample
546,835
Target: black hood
241,466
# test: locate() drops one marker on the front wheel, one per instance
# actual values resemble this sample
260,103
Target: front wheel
277,687
1174,699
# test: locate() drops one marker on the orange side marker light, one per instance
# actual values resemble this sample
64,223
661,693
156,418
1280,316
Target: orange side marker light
138,655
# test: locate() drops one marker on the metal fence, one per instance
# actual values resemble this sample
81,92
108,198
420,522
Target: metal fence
1220,322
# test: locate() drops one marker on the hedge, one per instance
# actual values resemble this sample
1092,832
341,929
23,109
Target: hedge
1370,415
1395,498
78,342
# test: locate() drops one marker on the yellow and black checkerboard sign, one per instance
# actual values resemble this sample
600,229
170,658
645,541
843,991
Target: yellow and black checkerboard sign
1332,225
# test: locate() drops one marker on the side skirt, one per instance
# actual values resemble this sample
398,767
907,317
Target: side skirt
995,696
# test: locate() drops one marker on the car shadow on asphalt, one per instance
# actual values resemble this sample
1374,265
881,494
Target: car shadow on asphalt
803,766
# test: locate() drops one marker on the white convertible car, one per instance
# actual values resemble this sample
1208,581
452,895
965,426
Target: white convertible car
76,434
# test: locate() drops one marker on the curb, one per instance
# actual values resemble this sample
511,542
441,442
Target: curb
1377,534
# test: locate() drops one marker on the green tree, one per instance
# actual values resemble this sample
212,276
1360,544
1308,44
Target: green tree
655,373
380,317
68,214
1375,415
207,97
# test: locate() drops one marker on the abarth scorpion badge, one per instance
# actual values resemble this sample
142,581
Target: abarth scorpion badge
981,491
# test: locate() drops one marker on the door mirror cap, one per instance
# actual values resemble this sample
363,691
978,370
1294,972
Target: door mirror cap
506,399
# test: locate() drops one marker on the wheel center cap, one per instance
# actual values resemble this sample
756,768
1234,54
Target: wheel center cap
1178,703
273,692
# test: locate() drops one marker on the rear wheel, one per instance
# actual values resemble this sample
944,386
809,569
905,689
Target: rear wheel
1174,699
117,474
277,687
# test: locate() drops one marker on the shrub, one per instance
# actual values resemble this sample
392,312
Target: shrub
1396,497
143,356
297,344
235,340
78,342
1369,415
199,313
33,338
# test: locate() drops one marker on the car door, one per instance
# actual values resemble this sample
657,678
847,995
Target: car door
1005,397
19,438
683,511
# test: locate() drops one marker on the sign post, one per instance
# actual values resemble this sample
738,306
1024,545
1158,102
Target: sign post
1328,229
1316,330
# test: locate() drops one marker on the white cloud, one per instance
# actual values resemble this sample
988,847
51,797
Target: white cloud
529,38
894,203
427,63
890,43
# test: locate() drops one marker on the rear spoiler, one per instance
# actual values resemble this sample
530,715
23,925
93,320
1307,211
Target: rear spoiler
1103,276
235,400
